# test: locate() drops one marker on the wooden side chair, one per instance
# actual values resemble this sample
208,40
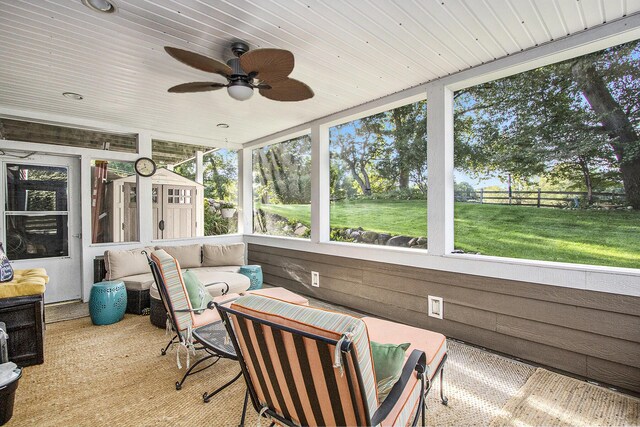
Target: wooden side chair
309,367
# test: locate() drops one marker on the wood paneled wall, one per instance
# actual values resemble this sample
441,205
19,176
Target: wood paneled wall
591,334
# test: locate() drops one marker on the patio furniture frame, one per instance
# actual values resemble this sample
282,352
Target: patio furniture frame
213,351
416,364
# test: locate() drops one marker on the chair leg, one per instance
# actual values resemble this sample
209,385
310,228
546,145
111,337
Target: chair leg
207,396
171,341
186,374
443,398
244,408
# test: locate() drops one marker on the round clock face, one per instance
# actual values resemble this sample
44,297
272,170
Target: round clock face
145,166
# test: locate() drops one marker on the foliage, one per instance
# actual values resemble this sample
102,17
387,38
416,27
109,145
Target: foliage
214,223
558,121
382,152
282,172
463,191
221,174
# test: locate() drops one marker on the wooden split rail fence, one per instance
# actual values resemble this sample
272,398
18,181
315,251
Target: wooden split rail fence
540,198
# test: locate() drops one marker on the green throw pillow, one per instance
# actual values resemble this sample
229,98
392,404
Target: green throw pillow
198,294
388,360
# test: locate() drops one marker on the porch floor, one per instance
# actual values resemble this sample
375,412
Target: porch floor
114,375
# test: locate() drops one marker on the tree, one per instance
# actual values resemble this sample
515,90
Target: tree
221,174
578,117
358,144
283,172
617,114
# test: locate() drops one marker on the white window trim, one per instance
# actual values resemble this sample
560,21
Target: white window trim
616,280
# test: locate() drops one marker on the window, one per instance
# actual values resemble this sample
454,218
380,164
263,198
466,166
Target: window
114,204
36,211
378,178
19,130
183,207
221,192
282,188
548,162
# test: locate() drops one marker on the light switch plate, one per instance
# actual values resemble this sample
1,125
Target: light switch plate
436,307
315,279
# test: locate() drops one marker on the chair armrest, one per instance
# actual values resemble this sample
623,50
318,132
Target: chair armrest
417,362
226,291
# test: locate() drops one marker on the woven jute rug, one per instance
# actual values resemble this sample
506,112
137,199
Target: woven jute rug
66,311
549,399
115,376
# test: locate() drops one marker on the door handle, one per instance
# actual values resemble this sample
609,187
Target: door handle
161,225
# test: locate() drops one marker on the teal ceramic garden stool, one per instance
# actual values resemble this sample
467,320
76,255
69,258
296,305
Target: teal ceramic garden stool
254,273
108,302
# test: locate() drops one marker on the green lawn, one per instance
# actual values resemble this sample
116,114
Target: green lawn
586,237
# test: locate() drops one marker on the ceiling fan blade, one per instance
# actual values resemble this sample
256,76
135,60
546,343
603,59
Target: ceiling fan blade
196,87
270,65
198,61
287,90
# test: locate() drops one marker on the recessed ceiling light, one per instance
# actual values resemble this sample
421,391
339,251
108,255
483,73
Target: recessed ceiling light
102,6
72,95
222,125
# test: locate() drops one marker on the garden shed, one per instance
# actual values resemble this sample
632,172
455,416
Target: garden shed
178,206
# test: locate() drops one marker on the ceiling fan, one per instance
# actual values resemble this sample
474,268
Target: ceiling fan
264,69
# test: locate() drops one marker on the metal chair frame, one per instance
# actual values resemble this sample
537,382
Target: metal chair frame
348,357
212,352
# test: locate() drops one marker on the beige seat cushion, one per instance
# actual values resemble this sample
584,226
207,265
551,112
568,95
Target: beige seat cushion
237,282
123,263
188,256
220,255
223,269
138,282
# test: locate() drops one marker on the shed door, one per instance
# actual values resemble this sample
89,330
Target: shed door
156,207
178,211
130,214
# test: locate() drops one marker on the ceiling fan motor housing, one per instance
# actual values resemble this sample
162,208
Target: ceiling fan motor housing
237,70
238,48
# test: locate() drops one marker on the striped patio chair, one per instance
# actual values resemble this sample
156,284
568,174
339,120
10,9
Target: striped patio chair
309,367
181,318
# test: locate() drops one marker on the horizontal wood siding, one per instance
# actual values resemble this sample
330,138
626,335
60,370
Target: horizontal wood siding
592,334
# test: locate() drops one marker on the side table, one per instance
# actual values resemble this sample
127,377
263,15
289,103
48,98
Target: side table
254,273
107,302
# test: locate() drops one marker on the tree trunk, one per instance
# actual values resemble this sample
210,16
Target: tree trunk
586,173
275,168
366,190
622,136
367,181
264,198
403,178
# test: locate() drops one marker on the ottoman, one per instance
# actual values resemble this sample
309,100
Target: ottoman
254,273
107,302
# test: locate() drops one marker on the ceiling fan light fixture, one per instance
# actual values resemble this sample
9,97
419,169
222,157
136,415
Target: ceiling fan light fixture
102,6
240,90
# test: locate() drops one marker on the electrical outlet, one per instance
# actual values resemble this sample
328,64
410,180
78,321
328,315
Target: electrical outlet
436,307
315,279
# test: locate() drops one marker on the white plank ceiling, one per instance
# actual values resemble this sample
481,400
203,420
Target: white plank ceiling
349,52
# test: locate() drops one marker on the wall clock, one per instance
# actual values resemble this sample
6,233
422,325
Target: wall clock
145,166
